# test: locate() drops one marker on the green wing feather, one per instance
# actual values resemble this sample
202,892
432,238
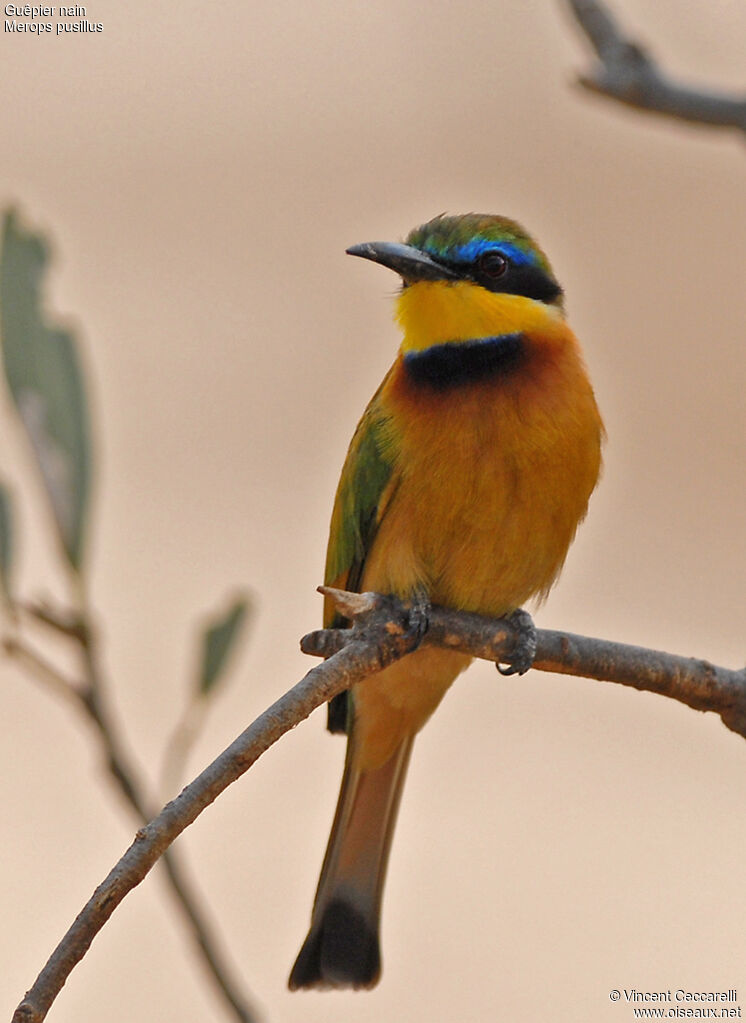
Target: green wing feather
365,488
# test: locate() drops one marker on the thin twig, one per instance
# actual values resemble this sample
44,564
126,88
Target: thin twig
379,635
697,683
41,669
67,623
629,74
125,776
90,695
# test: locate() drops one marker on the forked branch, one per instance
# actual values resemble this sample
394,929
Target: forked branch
628,73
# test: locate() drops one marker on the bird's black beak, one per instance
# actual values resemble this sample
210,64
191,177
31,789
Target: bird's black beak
410,263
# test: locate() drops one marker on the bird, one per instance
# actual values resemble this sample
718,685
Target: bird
463,486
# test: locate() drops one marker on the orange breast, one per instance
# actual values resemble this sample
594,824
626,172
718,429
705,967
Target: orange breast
492,480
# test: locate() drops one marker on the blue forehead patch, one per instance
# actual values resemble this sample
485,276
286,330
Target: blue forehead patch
474,248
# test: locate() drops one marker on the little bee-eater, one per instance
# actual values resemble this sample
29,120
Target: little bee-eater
463,486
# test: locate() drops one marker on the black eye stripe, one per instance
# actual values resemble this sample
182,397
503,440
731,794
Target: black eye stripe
517,279
529,281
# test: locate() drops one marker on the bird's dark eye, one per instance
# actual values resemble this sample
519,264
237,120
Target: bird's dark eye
493,264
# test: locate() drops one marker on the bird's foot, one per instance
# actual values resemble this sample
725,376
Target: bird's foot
418,618
524,650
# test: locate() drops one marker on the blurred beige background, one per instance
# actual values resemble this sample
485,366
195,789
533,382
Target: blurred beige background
202,169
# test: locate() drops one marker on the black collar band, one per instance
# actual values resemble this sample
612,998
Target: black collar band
462,362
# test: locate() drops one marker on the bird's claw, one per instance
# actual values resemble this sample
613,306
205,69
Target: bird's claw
524,650
418,618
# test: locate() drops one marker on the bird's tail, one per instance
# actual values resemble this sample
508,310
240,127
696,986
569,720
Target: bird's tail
342,947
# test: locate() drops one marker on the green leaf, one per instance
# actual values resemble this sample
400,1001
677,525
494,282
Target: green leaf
6,541
218,640
46,382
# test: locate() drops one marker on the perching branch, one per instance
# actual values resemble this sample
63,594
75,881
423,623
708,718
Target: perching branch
379,636
628,73
90,696
698,684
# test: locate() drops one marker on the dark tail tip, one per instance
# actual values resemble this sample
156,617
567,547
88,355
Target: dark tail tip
340,951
